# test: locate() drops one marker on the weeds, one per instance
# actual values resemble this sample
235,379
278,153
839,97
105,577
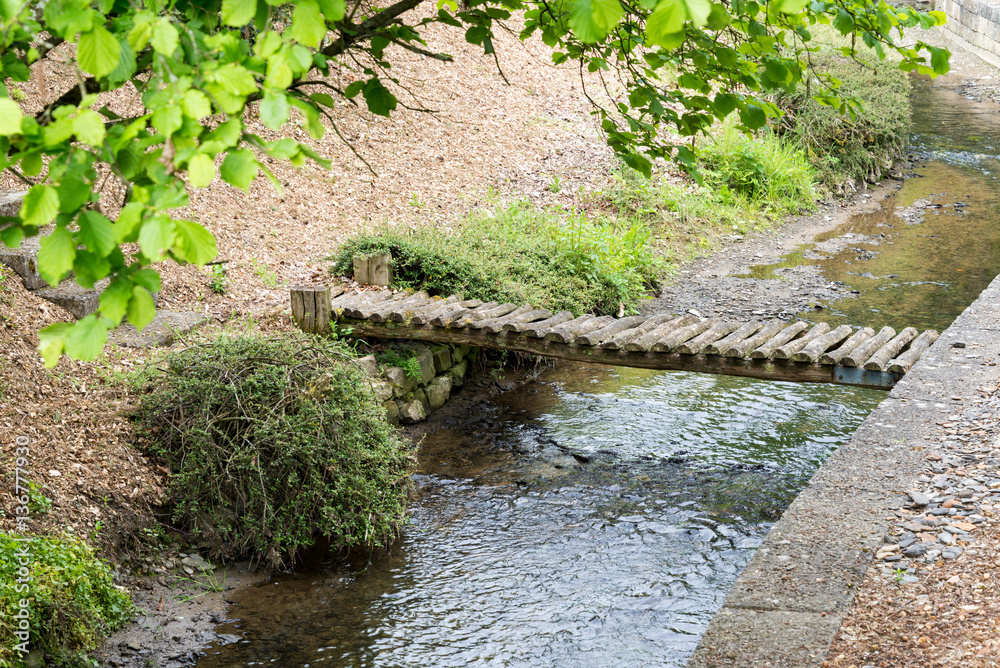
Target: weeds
266,276
393,357
523,254
217,284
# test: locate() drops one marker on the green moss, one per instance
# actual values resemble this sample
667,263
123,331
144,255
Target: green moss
275,445
73,601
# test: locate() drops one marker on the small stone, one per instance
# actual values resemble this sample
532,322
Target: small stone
964,526
457,373
442,359
946,538
54,474
916,550
426,360
907,540
368,365
411,412
951,503
958,344
951,553
383,390
438,392
919,499
134,646
391,411
401,382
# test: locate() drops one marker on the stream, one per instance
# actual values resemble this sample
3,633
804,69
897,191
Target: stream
598,516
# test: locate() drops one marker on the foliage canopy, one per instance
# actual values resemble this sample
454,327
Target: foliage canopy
200,65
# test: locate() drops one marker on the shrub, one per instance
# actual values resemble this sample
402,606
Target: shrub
74,603
762,170
520,253
275,444
843,149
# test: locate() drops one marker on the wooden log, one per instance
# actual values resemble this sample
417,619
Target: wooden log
431,305
514,323
362,297
604,333
719,329
311,308
860,355
367,310
336,291
448,319
781,338
463,319
903,363
680,330
743,348
538,330
385,310
819,345
795,345
481,314
496,324
742,332
455,307
358,309
622,339
344,298
855,340
715,364
566,333
880,360
373,270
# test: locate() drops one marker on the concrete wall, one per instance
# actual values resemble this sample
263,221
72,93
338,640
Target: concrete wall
975,24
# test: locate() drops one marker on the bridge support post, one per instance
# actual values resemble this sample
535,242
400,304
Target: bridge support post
311,308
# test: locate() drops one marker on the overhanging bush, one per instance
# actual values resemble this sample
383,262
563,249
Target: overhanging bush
275,443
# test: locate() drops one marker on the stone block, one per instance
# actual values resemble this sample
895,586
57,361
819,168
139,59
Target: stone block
425,358
74,298
460,352
400,381
457,374
368,365
411,412
420,394
438,391
383,390
442,359
391,411
162,331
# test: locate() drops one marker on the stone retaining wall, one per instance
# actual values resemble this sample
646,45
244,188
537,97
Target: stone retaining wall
411,398
975,24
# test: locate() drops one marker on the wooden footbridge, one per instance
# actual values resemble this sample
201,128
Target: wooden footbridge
771,350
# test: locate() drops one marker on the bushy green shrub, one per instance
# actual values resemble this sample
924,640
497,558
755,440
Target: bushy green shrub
275,444
841,148
762,170
73,601
521,254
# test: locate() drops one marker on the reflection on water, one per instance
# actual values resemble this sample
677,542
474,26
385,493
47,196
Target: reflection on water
924,274
597,517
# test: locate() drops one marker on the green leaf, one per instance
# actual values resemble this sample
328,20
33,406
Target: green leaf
333,10
666,21
308,24
169,119
85,339
843,22
201,170
128,222
12,236
196,105
718,18
607,13
141,310
90,267
236,79
165,38
51,342
10,117
239,169
98,52
792,6
96,232
238,13
378,98
698,11
88,126
940,60
40,205
147,278
194,243
115,299
156,234
56,255
725,104
581,21
274,110
753,117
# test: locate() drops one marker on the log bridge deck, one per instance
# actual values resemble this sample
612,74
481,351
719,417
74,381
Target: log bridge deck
771,350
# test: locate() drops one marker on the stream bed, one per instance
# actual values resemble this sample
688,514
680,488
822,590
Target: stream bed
598,516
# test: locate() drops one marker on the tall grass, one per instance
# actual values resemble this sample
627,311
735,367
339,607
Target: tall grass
521,253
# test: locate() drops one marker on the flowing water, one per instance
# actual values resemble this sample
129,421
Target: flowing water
598,516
